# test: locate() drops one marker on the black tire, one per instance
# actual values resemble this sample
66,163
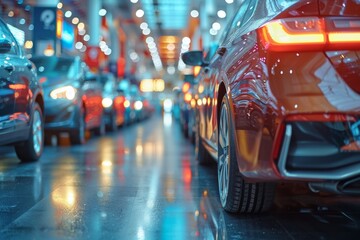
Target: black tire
101,130
112,126
236,195
31,149
201,154
78,136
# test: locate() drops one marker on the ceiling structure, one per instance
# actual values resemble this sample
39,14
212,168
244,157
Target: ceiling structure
164,23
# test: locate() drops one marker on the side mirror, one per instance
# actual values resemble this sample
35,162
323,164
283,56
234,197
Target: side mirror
5,46
194,58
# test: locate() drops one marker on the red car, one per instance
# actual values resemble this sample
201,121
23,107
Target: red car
282,101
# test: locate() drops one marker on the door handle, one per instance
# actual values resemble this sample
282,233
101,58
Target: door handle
9,68
29,66
221,51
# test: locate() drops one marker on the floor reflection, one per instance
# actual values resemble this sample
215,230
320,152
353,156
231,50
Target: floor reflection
143,183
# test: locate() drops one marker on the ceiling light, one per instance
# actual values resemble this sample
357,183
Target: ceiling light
81,26
213,32
151,44
216,26
75,20
144,25
134,1
79,45
102,12
68,14
149,40
194,13
146,31
221,14
86,37
229,1
59,5
139,13
171,70
186,40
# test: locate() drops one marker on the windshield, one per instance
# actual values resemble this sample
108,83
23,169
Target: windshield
55,67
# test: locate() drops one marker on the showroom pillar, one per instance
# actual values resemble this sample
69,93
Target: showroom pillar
94,22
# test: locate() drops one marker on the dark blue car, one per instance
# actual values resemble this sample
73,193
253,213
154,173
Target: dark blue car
21,100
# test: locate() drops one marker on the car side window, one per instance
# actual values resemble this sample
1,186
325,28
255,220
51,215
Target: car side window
238,20
6,34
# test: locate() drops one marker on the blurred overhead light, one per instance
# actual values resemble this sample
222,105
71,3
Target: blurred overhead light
194,13
229,1
171,70
75,20
59,5
216,26
146,31
28,44
68,14
186,40
81,26
221,14
144,25
11,14
134,1
102,12
149,40
79,45
86,37
139,13
213,31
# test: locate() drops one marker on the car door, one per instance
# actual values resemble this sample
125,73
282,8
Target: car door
7,95
16,77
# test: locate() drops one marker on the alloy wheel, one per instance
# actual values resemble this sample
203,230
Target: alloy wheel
224,155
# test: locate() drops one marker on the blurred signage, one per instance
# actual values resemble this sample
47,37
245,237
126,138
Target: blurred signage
68,36
92,57
44,20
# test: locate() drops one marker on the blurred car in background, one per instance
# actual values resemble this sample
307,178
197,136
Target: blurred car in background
281,101
112,101
73,103
187,106
21,100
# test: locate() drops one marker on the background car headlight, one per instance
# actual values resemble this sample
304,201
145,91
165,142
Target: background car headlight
138,105
107,102
127,103
67,92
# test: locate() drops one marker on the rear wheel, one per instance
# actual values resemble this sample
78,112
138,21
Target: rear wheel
77,136
236,195
100,130
112,126
31,149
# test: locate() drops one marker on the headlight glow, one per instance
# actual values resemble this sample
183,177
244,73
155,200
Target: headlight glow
127,103
107,102
67,92
138,105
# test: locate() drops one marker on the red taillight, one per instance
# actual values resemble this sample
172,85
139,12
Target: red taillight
313,33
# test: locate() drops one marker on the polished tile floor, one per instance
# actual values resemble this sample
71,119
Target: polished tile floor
143,182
